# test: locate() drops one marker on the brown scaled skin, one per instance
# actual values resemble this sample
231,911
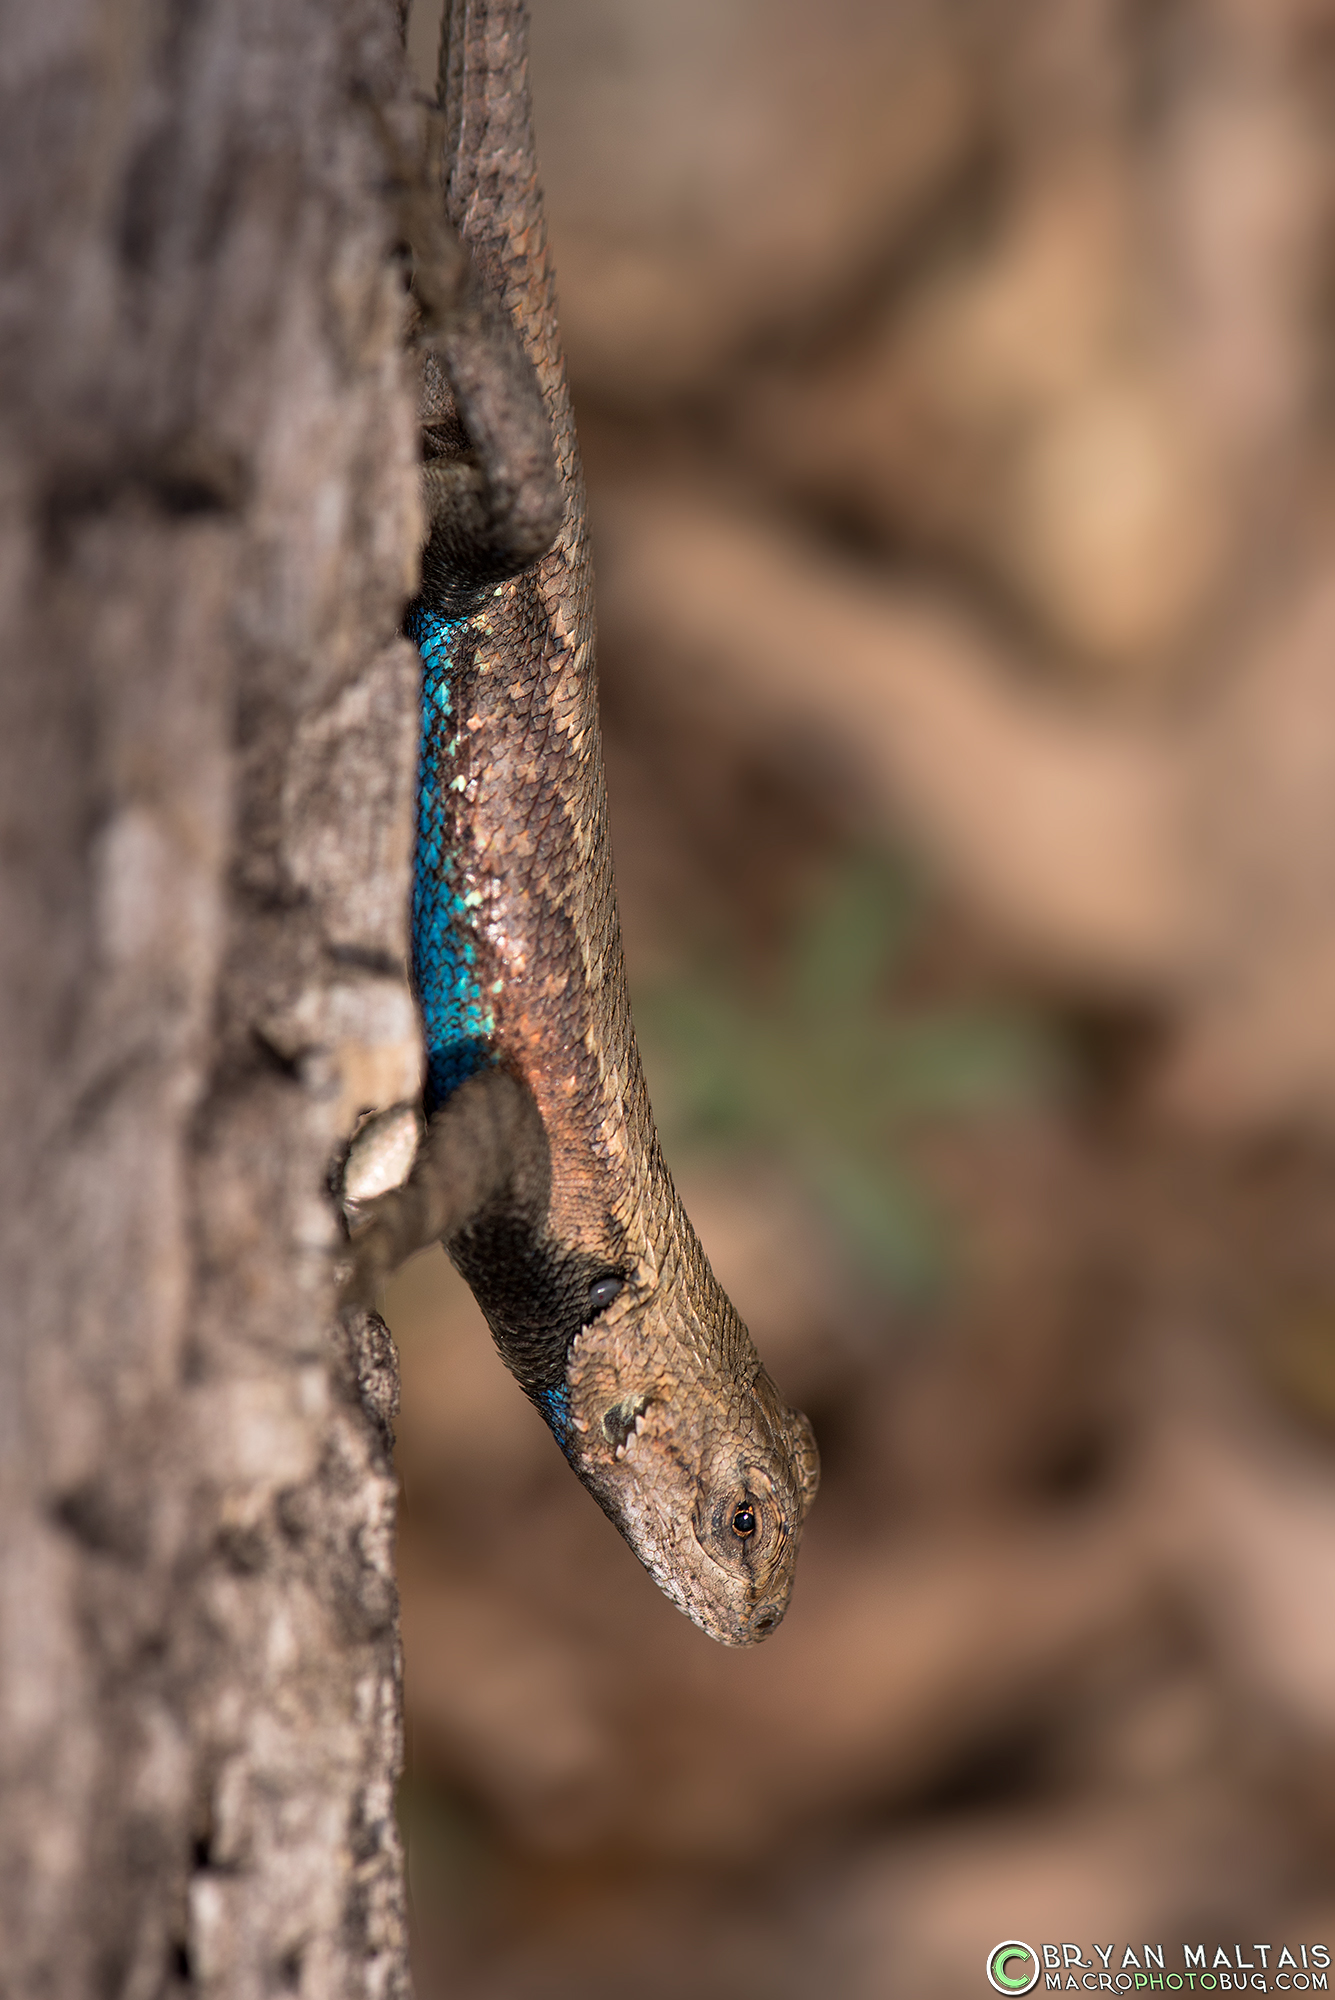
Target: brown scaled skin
704,1470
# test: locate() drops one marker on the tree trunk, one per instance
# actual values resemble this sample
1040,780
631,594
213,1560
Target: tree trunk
207,745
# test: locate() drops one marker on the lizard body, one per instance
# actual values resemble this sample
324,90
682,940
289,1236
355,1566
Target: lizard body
578,1250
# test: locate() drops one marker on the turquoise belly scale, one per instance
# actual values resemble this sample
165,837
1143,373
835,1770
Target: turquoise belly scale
457,1013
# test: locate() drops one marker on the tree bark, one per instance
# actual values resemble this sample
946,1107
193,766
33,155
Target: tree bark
207,746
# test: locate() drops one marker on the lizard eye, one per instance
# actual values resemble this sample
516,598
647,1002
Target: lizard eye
602,1292
744,1522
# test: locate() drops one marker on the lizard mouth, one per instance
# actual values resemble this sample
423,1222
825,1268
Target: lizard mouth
750,1625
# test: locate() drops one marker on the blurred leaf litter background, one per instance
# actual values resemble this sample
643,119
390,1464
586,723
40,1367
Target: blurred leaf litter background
954,382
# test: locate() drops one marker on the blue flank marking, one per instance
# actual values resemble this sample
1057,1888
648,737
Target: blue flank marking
555,1406
457,1016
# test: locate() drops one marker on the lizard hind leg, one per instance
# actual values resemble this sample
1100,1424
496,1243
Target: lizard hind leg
493,497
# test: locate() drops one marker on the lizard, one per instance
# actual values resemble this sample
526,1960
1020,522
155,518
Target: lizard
541,1167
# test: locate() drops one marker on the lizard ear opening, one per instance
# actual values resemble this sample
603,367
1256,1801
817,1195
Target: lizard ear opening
623,1421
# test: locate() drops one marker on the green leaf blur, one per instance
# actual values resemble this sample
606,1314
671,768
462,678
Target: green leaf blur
821,1067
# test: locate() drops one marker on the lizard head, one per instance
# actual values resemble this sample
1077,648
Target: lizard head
651,1385
682,1438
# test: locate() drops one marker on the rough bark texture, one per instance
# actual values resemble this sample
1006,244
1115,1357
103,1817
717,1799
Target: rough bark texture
206,755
